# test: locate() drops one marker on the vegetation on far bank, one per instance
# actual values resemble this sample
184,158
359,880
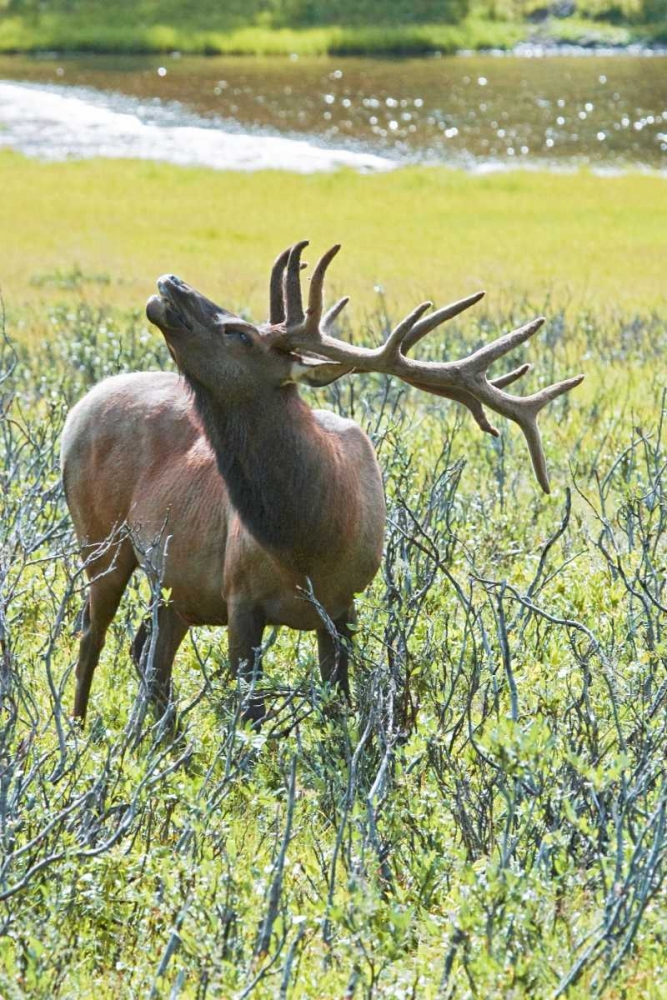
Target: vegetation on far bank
104,231
313,27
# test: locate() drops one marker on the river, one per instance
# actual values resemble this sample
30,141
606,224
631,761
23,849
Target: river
478,112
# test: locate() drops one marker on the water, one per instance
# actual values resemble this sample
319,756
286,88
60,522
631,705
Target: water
57,123
477,112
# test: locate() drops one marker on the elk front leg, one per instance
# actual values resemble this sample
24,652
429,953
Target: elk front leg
334,652
245,630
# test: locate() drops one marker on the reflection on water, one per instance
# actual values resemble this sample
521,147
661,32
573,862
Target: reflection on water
609,111
55,123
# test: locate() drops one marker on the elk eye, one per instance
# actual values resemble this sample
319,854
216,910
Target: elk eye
240,335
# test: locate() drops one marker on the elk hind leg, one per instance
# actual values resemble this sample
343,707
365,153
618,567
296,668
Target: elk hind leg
104,594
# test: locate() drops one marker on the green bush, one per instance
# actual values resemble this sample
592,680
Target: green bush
234,13
206,14
654,11
295,13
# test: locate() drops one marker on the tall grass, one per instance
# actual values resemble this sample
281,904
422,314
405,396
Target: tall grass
487,819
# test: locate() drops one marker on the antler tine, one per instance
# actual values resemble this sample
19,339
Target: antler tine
485,356
510,377
429,323
276,299
316,291
544,396
292,285
524,412
471,402
332,314
531,433
393,345
463,397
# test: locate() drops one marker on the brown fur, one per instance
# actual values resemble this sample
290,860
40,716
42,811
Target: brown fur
245,502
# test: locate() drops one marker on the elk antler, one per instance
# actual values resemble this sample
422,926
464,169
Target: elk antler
464,380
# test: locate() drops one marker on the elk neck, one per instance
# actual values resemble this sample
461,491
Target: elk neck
285,474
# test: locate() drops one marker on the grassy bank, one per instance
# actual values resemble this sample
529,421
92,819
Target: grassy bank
70,34
315,27
104,231
66,35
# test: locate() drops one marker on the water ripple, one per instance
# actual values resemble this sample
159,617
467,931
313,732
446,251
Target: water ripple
55,123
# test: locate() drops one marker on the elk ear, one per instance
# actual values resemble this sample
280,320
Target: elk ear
316,373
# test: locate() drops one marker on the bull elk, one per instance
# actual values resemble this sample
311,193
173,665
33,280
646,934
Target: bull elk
260,494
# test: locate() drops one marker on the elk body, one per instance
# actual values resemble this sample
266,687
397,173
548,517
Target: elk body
252,498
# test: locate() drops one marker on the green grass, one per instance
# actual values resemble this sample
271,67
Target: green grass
107,230
67,34
70,33
108,33
314,28
582,31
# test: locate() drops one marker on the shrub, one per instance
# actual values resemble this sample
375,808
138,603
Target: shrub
654,11
295,13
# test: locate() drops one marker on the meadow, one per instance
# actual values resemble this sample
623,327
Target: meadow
487,819
415,233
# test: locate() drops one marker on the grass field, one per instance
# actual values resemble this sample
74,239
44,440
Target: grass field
417,233
489,818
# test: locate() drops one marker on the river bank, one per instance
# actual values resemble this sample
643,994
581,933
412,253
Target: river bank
75,31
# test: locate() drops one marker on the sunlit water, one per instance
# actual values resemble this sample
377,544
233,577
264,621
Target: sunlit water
477,112
55,123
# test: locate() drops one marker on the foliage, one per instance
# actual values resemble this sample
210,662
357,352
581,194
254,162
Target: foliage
305,12
107,33
488,819
320,27
234,12
654,11
537,11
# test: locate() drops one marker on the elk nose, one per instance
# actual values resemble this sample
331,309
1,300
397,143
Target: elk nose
168,281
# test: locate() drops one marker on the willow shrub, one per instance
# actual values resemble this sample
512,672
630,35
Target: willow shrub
487,818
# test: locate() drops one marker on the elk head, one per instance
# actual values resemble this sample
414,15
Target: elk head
232,357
